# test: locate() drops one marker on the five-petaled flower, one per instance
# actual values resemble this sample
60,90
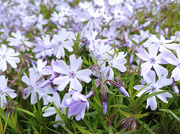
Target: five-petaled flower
71,74
154,86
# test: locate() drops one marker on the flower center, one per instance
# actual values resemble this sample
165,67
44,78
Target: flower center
152,60
72,74
1,92
153,89
161,43
60,43
100,78
3,56
30,87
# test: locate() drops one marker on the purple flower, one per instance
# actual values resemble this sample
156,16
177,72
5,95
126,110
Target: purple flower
77,105
175,88
104,104
123,91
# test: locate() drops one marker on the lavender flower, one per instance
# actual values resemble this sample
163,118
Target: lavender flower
5,90
8,55
77,104
154,87
71,74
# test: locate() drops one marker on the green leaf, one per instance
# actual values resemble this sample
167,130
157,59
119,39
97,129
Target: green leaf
125,113
146,126
138,116
91,113
82,130
130,90
59,112
110,130
1,127
88,124
67,130
25,111
107,90
5,126
119,105
95,62
169,111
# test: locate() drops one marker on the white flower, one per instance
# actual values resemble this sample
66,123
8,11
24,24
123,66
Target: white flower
33,87
71,74
58,17
51,110
153,59
19,40
154,87
170,58
62,40
43,46
40,69
5,90
117,62
8,55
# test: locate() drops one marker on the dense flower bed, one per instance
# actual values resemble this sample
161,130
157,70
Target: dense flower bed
101,66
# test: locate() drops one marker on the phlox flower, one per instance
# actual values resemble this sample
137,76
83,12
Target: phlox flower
58,17
51,110
62,40
171,58
91,36
33,87
155,86
71,74
40,22
77,104
19,40
8,55
117,62
5,90
43,47
40,69
163,43
93,18
152,60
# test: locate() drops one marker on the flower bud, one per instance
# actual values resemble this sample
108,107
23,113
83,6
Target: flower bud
175,88
104,104
123,91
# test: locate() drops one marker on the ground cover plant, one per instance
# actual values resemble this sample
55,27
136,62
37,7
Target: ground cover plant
82,66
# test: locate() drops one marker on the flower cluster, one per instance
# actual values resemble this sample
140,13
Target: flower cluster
61,55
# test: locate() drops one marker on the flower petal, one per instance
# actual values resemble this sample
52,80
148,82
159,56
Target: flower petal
143,54
62,82
61,67
75,84
161,71
84,75
75,63
163,96
152,103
